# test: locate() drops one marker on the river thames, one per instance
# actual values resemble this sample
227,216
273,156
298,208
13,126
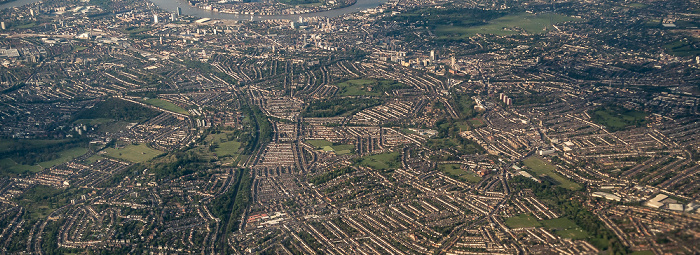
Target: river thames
171,6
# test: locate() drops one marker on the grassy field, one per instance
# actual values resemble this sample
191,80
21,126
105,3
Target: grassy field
618,118
338,106
113,127
319,143
343,149
683,48
340,149
540,167
229,148
219,137
638,5
477,122
408,131
160,103
26,25
508,25
384,161
94,158
11,166
647,252
93,121
40,201
462,126
16,147
456,171
357,87
7,145
522,221
576,233
64,156
600,242
134,153
565,228
462,146
368,87
79,48
559,223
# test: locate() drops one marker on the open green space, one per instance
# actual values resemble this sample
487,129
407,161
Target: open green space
160,103
616,118
456,143
507,25
134,153
456,171
8,145
447,23
559,223
652,23
684,47
368,87
26,25
384,161
343,149
96,121
319,143
79,48
340,149
358,87
8,165
408,131
647,252
115,109
225,144
688,24
477,122
540,167
219,137
338,106
229,206
462,125
464,105
40,201
330,175
65,156
574,233
229,148
638,5
565,228
113,127
530,97
522,221
449,141
94,158
637,68
565,202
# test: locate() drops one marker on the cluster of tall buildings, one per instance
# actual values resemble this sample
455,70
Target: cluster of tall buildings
506,100
173,16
